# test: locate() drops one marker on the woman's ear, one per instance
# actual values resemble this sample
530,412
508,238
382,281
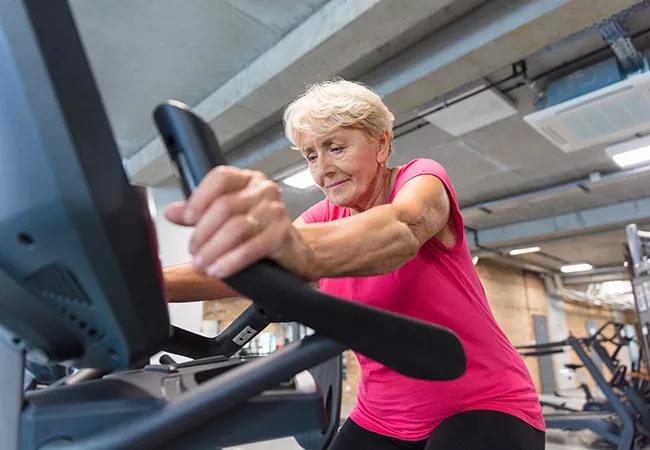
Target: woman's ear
383,152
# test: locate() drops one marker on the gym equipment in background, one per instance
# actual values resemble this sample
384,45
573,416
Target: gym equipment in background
623,417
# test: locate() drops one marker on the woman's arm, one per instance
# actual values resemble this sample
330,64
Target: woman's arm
383,238
240,218
184,284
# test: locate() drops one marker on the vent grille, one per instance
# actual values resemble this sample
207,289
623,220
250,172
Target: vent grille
607,115
56,282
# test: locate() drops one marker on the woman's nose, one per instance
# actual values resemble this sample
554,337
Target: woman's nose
322,168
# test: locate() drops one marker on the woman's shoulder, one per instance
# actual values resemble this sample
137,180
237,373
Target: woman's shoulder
422,164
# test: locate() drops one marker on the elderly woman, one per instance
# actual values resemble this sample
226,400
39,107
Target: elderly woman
391,237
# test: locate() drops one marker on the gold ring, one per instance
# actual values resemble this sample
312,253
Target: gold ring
252,221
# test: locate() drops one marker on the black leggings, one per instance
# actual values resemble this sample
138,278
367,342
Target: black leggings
472,430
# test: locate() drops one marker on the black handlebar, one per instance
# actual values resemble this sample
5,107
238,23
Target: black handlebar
244,328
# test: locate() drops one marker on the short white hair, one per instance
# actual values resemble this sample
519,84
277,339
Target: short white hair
327,105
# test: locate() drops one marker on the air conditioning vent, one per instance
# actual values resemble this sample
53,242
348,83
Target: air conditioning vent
610,114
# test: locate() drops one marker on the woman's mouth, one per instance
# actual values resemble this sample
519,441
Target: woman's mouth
337,184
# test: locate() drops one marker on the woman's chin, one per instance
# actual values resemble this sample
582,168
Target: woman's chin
338,200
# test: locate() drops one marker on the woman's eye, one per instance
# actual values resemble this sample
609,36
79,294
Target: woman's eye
336,149
311,158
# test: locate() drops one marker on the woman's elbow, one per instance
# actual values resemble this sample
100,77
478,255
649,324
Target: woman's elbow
411,247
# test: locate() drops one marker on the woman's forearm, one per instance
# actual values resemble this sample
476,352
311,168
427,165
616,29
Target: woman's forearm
372,243
184,284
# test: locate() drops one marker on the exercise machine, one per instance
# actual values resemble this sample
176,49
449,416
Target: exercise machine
623,417
638,264
81,285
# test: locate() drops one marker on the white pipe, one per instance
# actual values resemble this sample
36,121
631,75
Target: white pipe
556,289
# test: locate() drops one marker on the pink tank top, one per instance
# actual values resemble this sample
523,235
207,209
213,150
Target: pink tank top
439,285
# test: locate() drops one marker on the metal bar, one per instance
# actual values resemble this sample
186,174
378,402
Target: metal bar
543,345
542,352
617,37
634,244
216,396
612,398
636,401
11,393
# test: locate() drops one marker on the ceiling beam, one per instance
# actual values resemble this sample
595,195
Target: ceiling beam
493,36
476,212
564,225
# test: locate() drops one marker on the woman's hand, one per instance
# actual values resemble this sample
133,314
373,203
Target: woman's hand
239,218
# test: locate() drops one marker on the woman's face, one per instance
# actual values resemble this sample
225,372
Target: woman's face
345,163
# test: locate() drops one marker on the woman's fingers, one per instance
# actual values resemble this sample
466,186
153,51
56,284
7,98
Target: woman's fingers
235,231
219,181
230,205
174,212
239,218
215,217
234,235
257,247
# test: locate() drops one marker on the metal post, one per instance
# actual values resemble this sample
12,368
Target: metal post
11,393
634,244
639,281
627,427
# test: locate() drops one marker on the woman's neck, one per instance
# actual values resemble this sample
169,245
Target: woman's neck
380,191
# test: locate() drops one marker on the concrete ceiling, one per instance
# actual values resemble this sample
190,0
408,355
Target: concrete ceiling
144,52
240,62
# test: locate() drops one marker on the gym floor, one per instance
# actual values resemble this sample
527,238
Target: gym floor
556,440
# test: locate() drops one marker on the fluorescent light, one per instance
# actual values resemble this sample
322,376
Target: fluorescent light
523,251
630,153
300,180
581,267
633,157
475,260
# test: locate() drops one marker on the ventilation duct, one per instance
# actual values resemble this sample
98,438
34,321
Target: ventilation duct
555,288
